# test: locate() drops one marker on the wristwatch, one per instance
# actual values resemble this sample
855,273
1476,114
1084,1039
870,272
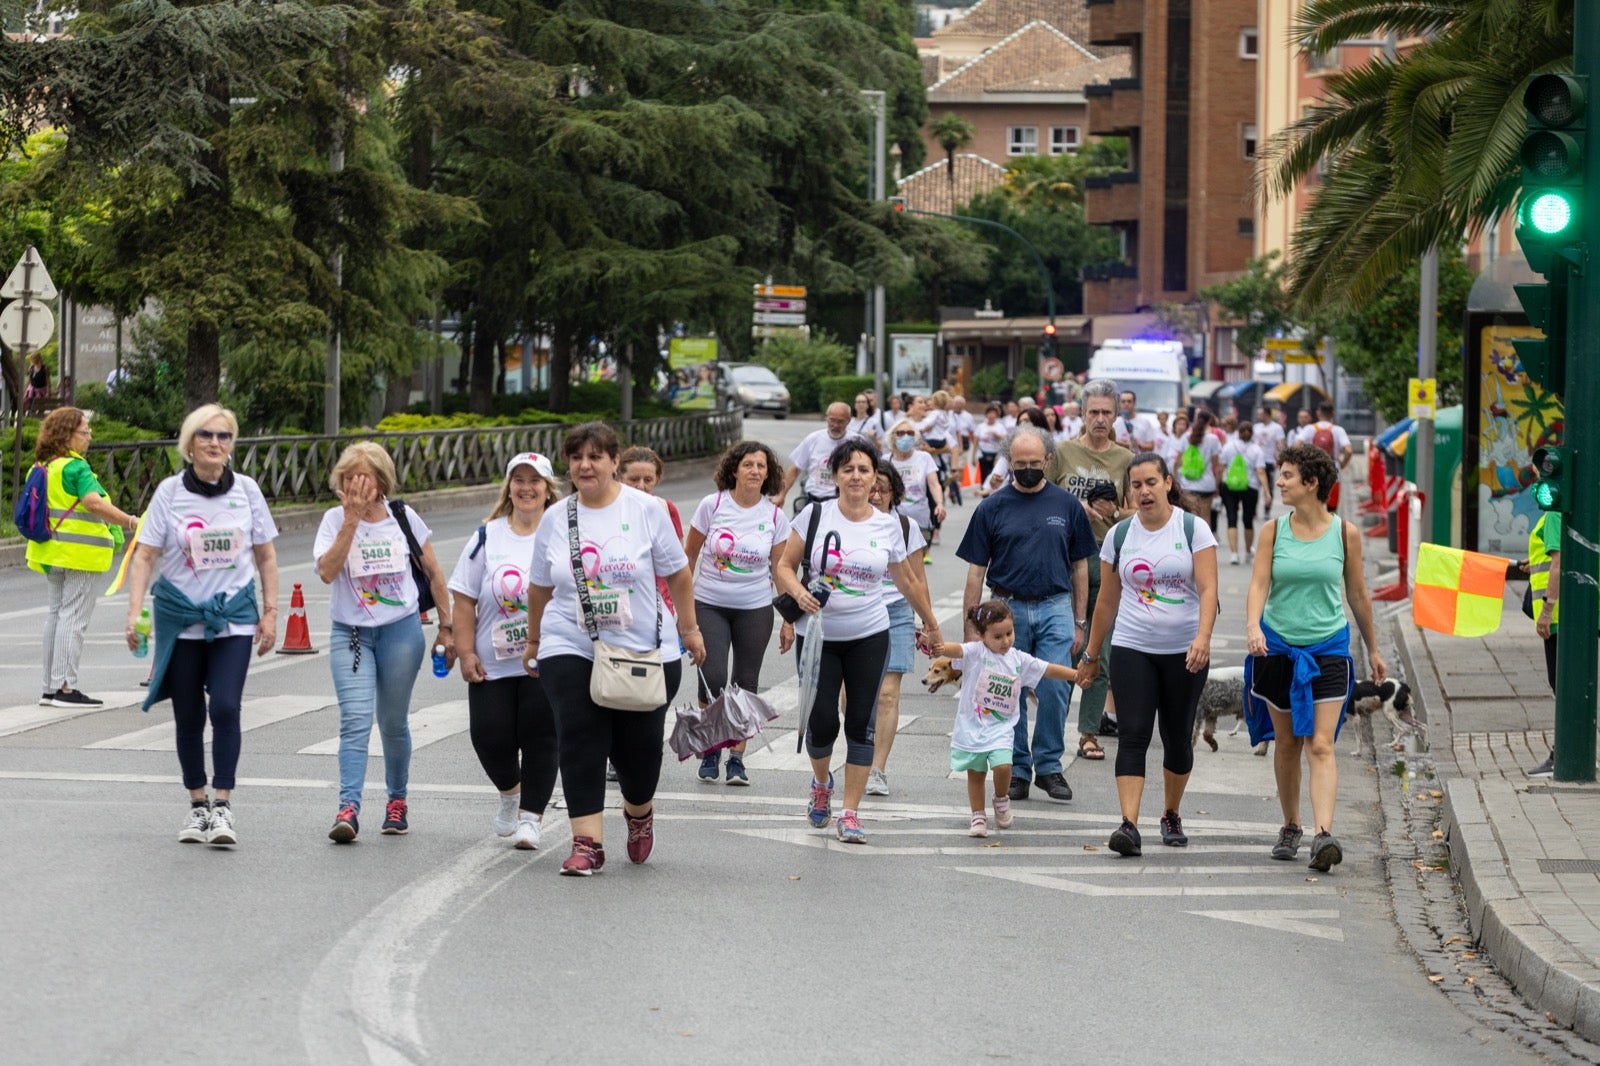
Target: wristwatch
1083,623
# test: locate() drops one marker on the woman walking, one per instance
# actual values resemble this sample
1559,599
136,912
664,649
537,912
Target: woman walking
1158,584
85,529
207,534
512,727
991,435
376,647
854,550
924,492
736,537
887,492
1198,467
617,541
1300,671
1243,474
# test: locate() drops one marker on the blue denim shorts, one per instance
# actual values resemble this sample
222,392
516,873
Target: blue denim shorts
902,638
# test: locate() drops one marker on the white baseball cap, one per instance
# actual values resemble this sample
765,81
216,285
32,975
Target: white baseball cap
540,464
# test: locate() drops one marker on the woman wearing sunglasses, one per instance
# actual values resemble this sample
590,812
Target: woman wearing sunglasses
209,534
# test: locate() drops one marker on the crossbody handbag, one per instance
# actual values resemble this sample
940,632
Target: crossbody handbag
622,679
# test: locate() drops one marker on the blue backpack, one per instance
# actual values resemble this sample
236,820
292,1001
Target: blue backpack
32,513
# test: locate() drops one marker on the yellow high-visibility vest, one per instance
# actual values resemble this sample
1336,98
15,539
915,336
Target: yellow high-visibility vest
1539,570
78,540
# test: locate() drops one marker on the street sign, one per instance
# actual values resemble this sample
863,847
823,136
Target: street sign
796,292
779,318
1422,394
1301,357
768,332
29,278
1051,369
780,305
29,335
1284,344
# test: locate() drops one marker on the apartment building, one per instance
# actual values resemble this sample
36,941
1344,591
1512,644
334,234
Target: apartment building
1188,107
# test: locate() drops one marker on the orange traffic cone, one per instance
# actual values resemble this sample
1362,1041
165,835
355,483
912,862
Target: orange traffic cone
969,475
297,637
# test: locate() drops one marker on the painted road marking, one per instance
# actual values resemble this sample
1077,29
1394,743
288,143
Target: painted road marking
26,716
1059,878
254,714
994,845
1303,922
429,725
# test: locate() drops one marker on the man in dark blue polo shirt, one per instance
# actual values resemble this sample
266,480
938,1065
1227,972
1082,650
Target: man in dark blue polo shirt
1031,542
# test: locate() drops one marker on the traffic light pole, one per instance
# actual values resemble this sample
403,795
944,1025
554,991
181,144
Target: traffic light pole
1577,659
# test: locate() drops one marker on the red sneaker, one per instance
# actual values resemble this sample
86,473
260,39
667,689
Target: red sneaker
641,836
394,818
587,858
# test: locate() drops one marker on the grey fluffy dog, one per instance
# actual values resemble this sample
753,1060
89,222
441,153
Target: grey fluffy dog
1222,695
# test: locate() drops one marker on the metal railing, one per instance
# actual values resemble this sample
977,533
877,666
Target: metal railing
296,469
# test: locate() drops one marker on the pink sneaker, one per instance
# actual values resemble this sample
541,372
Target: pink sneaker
980,825
641,836
587,858
1002,811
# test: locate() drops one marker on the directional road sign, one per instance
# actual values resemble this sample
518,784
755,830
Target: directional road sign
779,318
780,305
794,292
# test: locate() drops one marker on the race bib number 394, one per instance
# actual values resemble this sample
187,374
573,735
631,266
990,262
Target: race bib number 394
217,548
510,637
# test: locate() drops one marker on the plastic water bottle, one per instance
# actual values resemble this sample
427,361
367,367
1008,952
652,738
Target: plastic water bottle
141,629
441,667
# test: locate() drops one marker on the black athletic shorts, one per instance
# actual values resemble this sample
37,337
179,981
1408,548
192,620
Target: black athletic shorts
1274,674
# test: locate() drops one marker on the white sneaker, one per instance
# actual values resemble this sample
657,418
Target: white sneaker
526,835
979,826
221,830
195,828
505,819
877,782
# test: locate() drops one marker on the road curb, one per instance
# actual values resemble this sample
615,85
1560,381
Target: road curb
1553,975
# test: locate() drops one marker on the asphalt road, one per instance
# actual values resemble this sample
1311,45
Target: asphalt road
747,937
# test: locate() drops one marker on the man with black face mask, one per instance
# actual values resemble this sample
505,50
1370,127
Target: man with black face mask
1031,542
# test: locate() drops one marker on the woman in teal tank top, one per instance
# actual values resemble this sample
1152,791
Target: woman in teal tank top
1300,671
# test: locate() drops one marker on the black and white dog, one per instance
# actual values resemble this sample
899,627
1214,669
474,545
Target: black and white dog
1393,698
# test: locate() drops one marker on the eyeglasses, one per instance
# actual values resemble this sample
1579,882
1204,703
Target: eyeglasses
1030,465
221,436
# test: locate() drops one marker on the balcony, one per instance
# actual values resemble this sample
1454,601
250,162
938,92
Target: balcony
1111,198
1115,109
1115,21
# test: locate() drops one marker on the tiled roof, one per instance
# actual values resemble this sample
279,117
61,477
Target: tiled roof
1036,51
1071,80
932,189
1001,17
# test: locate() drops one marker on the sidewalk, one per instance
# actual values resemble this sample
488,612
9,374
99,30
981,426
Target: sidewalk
1526,852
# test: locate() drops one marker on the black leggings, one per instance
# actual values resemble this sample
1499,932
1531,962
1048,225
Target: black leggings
1236,500
590,733
743,634
1151,691
986,466
513,731
858,666
200,669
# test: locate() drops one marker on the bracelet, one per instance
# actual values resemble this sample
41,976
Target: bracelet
447,625
270,607
688,632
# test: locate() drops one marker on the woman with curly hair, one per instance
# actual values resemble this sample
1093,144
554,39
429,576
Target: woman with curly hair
735,539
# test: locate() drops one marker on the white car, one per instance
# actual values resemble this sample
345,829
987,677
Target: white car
753,387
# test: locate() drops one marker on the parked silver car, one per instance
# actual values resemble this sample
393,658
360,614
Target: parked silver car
752,386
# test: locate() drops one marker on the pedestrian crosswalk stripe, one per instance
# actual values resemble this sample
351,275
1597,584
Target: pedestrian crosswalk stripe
429,725
26,716
1060,878
1303,922
253,714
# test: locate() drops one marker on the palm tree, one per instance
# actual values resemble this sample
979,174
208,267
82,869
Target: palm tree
953,134
1421,149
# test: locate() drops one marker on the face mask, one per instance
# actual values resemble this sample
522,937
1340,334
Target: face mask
1028,479
904,442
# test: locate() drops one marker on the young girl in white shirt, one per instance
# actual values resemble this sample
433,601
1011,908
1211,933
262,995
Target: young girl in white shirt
993,675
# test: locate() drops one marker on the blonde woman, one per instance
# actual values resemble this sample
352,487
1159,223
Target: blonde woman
376,645
208,535
512,727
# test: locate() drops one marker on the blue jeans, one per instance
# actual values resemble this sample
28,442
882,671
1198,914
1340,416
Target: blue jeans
374,668
1044,630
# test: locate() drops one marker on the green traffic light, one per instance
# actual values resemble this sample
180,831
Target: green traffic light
1546,496
1550,213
